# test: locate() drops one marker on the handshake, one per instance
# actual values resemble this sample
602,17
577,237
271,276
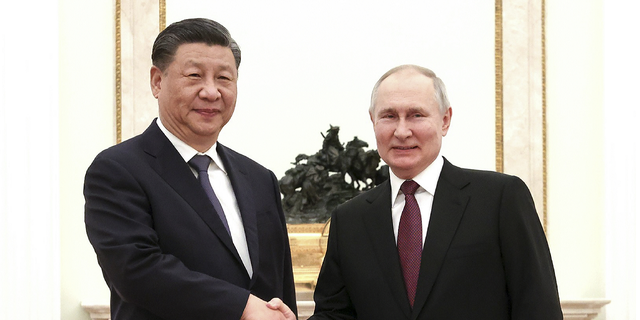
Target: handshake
258,309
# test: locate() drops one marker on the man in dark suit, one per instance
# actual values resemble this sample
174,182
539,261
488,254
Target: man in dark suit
461,244
182,240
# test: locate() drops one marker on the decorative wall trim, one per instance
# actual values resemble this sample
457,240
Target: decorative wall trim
137,25
118,73
520,95
498,71
163,14
97,311
585,309
544,113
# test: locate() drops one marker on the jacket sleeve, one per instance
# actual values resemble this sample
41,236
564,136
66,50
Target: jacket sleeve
120,226
331,296
289,292
530,276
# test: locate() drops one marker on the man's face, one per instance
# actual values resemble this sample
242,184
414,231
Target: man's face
408,123
197,93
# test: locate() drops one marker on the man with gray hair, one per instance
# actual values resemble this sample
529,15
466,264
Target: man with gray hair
434,241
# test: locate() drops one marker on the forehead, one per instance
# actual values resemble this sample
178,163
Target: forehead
202,53
407,80
405,88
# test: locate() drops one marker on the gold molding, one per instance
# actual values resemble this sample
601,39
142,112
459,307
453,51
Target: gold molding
499,99
118,74
498,89
544,116
162,22
163,14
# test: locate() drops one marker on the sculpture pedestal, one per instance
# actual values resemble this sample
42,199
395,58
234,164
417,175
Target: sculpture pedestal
308,244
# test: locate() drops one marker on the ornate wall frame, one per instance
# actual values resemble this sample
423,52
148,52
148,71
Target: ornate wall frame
520,104
521,96
137,24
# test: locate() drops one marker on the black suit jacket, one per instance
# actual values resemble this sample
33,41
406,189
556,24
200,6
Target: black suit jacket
485,256
164,251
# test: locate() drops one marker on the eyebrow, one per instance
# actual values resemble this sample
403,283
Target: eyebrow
410,110
198,64
386,110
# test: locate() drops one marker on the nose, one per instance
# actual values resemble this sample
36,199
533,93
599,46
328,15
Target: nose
403,130
209,91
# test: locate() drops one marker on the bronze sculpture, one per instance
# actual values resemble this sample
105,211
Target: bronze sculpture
336,173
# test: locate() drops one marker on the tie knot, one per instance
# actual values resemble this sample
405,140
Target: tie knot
409,187
200,162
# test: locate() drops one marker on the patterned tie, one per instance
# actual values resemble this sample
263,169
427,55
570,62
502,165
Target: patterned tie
410,239
201,164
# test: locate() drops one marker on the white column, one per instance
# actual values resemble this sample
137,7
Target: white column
29,190
622,160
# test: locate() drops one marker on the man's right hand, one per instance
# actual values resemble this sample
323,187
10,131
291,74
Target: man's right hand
277,304
257,309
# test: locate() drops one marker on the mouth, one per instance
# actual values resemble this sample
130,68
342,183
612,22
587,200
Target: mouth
405,148
207,112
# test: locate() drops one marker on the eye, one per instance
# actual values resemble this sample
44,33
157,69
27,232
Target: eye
225,77
387,116
194,75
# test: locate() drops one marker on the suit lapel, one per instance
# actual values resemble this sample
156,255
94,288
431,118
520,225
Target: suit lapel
379,226
448,208
166,160
243,190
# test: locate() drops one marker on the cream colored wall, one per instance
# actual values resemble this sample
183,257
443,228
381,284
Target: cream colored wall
86,80
575,136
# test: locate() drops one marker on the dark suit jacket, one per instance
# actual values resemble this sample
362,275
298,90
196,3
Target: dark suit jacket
485,256
164,251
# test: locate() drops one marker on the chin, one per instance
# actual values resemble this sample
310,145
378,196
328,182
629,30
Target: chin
402,171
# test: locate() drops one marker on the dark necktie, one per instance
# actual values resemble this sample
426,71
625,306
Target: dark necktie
201,164
410,239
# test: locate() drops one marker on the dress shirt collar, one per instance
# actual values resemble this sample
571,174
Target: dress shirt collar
427,179
186,151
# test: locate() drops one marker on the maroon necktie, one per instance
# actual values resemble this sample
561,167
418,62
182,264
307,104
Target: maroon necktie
410,239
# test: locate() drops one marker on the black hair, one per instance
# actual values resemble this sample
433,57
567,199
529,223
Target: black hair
196,30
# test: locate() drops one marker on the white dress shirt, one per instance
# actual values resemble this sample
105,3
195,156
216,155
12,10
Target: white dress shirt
427,179
224,192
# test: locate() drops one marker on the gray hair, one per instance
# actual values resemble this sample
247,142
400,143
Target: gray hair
438,86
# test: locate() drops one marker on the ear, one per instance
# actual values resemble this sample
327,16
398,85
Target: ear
446,121
156,81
